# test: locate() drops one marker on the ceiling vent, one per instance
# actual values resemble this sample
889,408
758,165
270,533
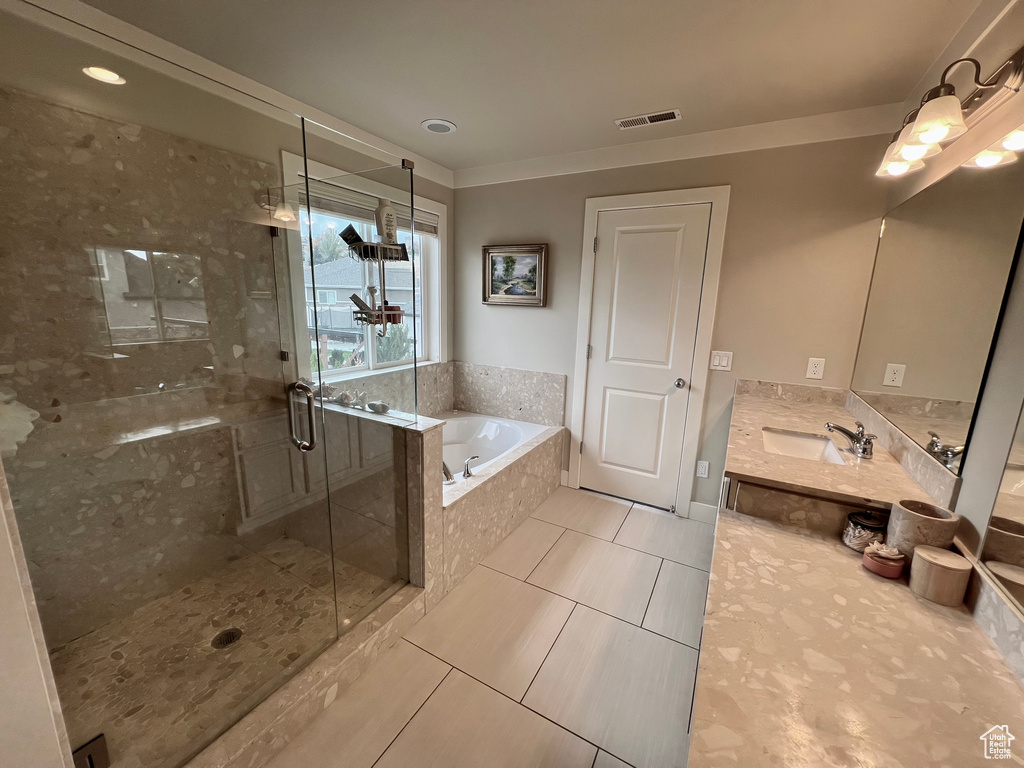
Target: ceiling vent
625,123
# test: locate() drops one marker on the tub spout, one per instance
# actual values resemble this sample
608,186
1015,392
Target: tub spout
448,477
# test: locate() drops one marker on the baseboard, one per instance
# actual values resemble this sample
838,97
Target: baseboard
565,477
705,513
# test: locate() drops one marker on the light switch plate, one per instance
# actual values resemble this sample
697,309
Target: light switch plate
702,469
721,361
894,375
815,367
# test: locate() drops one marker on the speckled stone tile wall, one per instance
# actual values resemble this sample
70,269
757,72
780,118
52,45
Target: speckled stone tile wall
809,513
511,393
941,484
1000,620
479,519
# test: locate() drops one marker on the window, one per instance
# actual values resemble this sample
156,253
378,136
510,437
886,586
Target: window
338,343
152,295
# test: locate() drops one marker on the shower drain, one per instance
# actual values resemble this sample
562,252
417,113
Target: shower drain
226,638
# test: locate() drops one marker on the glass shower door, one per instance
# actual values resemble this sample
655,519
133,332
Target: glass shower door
353,381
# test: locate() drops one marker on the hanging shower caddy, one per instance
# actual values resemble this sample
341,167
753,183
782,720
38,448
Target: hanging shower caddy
375,314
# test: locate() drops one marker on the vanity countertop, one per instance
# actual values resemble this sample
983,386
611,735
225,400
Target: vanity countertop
808,659
875,482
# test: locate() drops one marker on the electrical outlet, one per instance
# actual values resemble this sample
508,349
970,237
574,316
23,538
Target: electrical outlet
721,361
894,375
702,469
815,367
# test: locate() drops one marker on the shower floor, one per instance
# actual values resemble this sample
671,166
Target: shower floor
156,687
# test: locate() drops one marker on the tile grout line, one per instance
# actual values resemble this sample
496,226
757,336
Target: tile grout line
560,631
650,597
527,579
517,703
402,729
591,608
635,549
624,518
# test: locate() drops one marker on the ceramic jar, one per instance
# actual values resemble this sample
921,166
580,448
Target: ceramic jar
913,523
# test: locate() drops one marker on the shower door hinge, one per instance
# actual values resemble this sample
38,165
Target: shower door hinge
581,447
595,245
590,350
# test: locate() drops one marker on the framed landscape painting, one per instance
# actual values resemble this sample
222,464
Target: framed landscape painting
515,274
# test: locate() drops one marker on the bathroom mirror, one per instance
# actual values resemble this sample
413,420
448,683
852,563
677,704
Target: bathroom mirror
1003,551
941,268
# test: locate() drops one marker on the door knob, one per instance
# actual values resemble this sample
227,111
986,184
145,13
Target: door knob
680,383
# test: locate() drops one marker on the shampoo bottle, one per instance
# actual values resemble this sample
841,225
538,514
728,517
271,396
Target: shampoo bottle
387,222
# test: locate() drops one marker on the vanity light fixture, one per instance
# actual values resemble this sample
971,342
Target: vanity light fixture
284,212
1015,140
896,164
104,75
942,118
991,157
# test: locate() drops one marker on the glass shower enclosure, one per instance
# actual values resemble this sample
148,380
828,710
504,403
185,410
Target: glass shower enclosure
196,419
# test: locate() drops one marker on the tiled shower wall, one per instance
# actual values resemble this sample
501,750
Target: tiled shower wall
109,519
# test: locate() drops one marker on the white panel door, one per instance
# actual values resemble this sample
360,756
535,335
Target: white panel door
649,268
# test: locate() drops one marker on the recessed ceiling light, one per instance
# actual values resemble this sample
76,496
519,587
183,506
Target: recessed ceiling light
104,75
436,125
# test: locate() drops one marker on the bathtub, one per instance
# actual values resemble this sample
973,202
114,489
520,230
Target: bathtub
472,434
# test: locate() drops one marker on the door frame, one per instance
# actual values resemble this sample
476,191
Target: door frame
718,197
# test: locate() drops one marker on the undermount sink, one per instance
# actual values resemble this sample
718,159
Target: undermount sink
801,445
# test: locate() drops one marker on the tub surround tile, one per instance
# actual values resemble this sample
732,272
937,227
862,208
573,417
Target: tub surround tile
484,514
356,729
423,490
586,512
873,483
800,640
435,392
510,393
685,541
278,719
609,578
677,605
524,548
467,725
940,483
495,628
619,686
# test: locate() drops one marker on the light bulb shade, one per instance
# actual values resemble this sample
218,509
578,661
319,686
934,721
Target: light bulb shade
893,165
991,157
912,150
284,212
1014,141
940,119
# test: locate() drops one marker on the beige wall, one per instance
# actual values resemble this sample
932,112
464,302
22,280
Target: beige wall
799,248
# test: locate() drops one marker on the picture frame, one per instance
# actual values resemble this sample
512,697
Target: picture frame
515,275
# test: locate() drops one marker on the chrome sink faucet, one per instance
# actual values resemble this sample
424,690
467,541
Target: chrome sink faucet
862,444
944,453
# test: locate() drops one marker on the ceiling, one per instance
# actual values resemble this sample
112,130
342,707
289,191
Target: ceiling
533,78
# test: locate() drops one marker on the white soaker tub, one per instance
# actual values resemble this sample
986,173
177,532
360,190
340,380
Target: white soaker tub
489,437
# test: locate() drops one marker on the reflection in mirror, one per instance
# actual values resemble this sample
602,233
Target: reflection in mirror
1003,552
943,260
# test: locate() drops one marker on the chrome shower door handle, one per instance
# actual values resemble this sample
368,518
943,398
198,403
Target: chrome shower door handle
303,445
680,383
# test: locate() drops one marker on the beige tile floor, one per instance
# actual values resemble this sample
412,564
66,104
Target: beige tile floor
574,643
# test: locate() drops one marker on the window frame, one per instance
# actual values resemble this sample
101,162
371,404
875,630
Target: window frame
433,308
